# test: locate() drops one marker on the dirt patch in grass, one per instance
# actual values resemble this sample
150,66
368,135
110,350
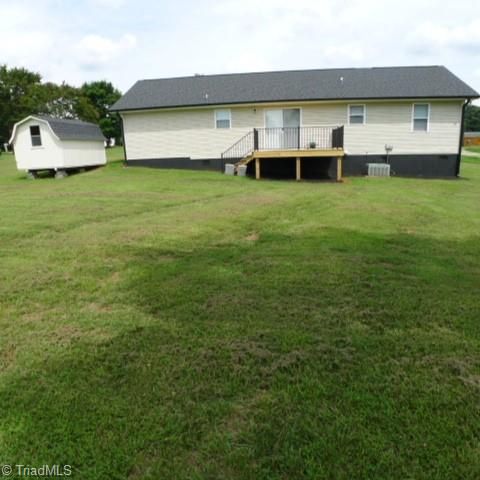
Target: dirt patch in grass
253,237
335,357
462,369
255,355
7,356
114,277
66,334
285,362
39,314
242,411
243,352
95,307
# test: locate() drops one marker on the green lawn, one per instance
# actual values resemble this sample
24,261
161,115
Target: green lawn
473,149
188,325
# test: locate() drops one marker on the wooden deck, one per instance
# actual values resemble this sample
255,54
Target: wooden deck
294,153
257,156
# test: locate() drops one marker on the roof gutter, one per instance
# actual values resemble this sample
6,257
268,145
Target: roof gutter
462,134
122,127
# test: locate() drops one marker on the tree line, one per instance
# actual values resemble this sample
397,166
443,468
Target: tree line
23,93
472,118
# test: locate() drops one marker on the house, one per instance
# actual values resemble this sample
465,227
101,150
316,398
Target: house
309,123
471,139
47,143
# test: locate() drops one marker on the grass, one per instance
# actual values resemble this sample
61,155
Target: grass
473,149
186,325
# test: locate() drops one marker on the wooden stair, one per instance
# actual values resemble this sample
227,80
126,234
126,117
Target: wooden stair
245,160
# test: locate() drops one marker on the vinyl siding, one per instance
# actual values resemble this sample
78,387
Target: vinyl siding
191,133
184,133
392,124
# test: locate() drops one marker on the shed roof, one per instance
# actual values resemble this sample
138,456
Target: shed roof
472,134
66,129
70,129
298,85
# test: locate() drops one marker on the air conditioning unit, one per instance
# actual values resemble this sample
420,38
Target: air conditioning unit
378,169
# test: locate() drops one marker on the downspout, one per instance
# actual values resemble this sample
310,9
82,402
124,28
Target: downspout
460,143
123,141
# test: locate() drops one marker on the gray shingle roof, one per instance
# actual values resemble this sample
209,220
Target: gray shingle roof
68,129
472,134
332,84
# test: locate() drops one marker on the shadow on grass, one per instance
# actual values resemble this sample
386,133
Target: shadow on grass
330,356
71,172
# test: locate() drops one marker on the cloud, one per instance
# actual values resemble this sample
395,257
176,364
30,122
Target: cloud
346,52
27,48
248,62
430,37
90,39
108,3
95,51
28,40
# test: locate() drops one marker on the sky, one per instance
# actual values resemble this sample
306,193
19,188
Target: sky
126,40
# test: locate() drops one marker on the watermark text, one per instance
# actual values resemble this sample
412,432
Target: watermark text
41,471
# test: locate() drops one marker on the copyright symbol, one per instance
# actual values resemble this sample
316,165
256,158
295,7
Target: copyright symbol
6,470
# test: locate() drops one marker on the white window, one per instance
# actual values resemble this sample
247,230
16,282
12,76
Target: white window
356,114
35,136
223,119
421,116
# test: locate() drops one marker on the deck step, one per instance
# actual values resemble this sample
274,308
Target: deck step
245,160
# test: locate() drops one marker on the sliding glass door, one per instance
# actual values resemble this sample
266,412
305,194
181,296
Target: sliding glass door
282,128
274,129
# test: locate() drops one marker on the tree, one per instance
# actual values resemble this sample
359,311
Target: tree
472,118
102,95
19,96
65,101
22,93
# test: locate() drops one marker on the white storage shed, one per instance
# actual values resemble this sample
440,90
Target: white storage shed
47,143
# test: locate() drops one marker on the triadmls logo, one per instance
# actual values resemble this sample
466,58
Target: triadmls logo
39,472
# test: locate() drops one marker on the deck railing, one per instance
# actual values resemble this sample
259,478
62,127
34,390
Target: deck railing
286,138
242,148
